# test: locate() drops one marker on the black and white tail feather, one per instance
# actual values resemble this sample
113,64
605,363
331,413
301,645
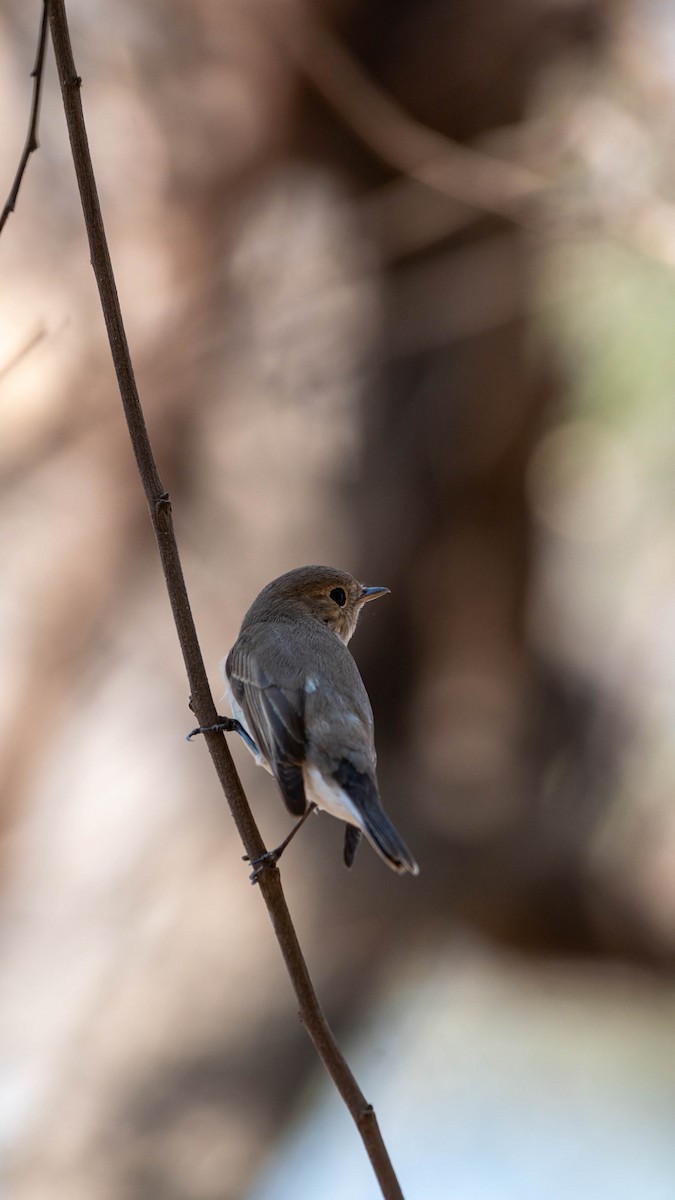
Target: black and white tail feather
383,837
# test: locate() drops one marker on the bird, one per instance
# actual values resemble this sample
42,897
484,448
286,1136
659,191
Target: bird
300,705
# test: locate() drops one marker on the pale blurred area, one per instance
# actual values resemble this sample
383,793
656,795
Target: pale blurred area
451,375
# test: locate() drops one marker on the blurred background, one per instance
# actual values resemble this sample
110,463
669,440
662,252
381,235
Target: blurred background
398,283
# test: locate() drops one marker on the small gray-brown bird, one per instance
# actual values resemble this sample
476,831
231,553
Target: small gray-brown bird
300,704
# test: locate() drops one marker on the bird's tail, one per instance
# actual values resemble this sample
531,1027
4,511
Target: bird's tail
384,838
362,798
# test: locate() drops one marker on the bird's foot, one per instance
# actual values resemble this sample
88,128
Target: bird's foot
264,862
271,857
225,725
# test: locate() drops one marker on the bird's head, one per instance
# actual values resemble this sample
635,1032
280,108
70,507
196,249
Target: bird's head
330,596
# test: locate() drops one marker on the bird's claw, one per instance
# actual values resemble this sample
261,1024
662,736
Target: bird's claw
264,862
225,725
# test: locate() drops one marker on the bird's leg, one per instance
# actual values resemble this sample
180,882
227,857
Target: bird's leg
227,725
271,857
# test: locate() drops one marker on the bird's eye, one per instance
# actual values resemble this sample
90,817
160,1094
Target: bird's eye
339,596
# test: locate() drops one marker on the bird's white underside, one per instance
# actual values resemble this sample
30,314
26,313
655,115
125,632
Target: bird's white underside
329,796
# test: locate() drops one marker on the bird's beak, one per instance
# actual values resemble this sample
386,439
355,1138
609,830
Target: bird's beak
371,593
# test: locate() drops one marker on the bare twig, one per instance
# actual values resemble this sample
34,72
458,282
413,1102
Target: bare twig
201,699
37,75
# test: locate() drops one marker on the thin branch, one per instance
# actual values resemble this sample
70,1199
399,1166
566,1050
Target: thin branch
37,75
201,698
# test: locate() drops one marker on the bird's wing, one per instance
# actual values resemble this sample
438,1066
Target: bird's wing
274,711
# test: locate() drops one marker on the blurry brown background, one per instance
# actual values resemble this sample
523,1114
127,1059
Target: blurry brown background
452,374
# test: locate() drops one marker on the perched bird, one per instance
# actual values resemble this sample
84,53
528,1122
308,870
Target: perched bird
300,704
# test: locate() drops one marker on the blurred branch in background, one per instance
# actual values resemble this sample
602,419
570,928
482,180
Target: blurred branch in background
479,182
460,173
16,357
